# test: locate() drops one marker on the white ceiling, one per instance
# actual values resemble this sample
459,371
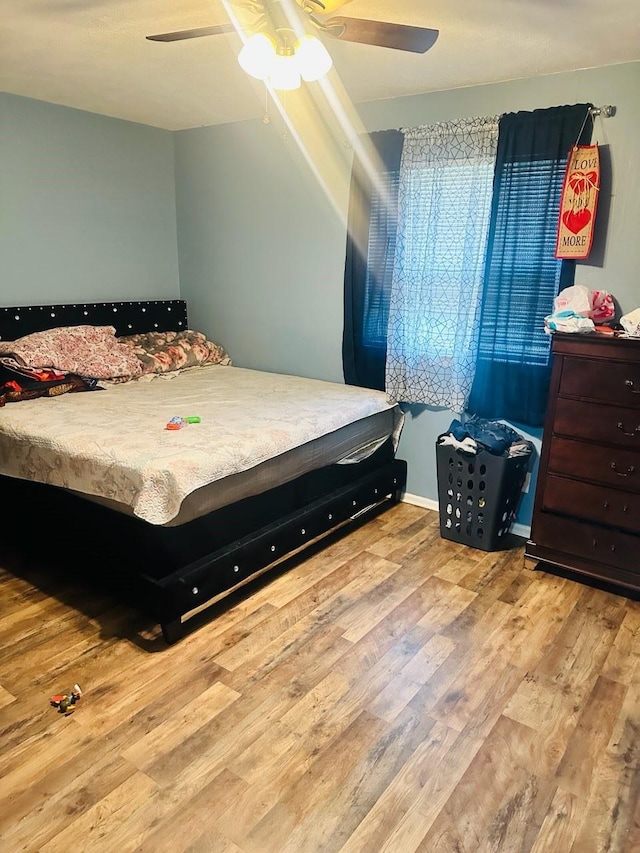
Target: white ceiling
93,55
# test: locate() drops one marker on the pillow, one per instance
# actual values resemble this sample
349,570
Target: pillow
162,352
91,351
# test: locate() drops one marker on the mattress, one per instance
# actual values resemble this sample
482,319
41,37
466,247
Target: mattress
256,430
348,445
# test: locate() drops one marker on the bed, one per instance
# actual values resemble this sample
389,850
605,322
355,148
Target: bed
258,470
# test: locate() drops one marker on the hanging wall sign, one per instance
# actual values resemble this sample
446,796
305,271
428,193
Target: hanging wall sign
578,203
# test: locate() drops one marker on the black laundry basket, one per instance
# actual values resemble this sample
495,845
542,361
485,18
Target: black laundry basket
478,494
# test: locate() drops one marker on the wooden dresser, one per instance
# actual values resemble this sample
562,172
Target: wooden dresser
586,514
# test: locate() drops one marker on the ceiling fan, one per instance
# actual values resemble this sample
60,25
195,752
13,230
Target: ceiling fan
268,14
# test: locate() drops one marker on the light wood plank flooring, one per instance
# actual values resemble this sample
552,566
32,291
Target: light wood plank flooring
394,693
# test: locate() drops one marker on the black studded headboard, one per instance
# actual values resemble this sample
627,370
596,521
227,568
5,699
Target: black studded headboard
128,318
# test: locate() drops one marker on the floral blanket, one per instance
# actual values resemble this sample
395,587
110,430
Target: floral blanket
163,352
91,351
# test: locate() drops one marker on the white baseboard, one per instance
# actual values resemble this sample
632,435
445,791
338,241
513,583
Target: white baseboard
523,530
417,500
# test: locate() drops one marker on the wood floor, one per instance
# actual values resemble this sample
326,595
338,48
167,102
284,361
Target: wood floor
396,692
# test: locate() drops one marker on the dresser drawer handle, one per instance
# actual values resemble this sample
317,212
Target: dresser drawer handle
620,426
629,384
595,545
626,473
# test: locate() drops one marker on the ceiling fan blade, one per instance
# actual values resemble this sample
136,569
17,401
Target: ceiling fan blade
382,33
193,34
330,6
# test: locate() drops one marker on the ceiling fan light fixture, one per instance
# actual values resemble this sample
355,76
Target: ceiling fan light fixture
313,58
258,56
283,64
284,73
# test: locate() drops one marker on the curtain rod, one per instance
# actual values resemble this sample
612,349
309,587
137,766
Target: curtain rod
606,111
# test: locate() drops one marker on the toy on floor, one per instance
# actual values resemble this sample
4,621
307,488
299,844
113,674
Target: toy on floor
177,422
65,702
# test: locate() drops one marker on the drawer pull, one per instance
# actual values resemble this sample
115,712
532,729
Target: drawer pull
620,426
626,473
606,504
629,384
595,545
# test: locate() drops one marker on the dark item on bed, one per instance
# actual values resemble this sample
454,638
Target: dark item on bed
16,386
171,573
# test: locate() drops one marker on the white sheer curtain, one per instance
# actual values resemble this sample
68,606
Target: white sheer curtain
444,204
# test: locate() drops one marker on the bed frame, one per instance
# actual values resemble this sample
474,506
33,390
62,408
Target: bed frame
174,573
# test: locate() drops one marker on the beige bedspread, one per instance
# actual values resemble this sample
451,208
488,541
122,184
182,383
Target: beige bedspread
114,443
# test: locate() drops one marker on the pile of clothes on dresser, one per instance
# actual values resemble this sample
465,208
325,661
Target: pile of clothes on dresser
578,309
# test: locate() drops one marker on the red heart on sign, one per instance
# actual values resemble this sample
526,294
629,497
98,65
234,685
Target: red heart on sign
575,221
579,181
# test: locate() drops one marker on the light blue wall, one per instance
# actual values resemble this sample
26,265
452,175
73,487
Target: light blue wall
87,207
262,250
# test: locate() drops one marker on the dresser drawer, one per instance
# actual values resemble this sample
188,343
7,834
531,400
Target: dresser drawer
601,544
592,503
614,382
611,424
610,466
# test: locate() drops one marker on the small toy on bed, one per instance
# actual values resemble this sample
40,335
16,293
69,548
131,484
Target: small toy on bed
177,422
66,702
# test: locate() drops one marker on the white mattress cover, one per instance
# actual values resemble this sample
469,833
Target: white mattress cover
113,443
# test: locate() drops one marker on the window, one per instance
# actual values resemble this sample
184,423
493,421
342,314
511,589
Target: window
514,329
522,277
444,207
446,257
469,327
379,266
